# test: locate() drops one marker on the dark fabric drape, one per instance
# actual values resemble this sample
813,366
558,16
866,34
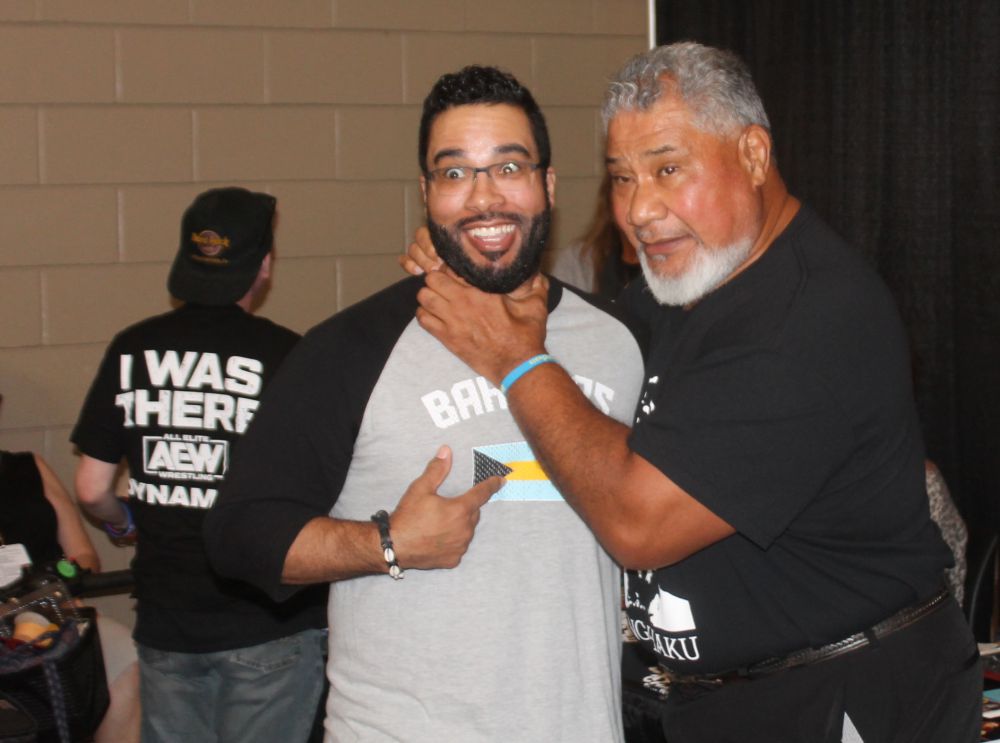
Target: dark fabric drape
886,118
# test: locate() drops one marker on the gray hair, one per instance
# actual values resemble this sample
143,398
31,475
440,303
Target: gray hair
714,83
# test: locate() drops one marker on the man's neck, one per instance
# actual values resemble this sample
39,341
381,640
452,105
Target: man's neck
779,208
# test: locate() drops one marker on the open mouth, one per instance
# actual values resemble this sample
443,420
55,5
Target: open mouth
492,232
492,241
663,247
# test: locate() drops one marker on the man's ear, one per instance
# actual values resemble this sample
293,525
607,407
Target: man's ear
265,266
550,185
755,153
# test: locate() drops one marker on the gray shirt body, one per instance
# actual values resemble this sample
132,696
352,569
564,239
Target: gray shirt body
521,642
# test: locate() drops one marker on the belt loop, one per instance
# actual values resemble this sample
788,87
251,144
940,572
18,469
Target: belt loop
872,637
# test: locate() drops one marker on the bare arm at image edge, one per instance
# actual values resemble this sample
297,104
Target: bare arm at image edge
72,534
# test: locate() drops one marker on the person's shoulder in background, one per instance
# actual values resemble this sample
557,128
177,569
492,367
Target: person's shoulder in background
571,266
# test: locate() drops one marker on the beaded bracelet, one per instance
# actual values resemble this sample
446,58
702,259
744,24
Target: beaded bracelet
381,519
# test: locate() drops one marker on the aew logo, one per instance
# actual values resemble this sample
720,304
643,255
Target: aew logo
187,457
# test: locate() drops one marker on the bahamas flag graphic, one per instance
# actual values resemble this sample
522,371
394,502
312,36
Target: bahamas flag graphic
516,462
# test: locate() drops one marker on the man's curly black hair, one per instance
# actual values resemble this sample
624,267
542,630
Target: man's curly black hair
489,85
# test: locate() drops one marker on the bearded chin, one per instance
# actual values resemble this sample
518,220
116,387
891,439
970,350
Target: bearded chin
491,278
709,269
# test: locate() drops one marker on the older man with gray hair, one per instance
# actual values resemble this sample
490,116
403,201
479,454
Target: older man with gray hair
769,501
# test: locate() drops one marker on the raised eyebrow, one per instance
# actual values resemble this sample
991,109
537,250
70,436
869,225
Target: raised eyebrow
608,161
512,148
442,154
503,149
660,150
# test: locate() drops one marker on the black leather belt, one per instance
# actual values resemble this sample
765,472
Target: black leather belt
900,620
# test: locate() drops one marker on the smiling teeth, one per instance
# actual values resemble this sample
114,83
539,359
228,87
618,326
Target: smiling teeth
487,232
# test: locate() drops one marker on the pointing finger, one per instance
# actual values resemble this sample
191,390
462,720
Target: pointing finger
482,492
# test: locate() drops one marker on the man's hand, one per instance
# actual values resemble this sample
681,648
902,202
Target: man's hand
428,531
492,333
420,256
431,531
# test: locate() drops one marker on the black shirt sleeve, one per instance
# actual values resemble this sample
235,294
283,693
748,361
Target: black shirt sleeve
292,463
98,432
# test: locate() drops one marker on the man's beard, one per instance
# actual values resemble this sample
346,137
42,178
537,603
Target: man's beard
490,278
708,269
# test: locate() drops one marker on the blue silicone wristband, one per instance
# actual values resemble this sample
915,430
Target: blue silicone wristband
523,368
129,529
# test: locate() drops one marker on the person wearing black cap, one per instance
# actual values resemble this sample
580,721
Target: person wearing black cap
173,395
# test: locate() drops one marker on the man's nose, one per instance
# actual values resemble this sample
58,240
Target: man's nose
483,194
646,205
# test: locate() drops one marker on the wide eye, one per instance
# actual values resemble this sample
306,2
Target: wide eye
452,174
668,170
509,169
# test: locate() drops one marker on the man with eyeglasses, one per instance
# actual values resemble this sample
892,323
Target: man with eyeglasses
513,635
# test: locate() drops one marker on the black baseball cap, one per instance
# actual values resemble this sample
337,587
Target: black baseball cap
225,234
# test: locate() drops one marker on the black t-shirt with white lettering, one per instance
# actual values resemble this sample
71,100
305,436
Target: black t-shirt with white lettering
173,396
782,402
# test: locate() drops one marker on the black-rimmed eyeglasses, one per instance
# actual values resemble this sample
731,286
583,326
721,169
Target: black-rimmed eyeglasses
508,175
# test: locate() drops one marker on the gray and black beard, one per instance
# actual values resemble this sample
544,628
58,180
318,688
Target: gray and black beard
709,268
490,278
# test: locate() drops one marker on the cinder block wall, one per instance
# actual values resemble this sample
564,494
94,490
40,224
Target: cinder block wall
115,114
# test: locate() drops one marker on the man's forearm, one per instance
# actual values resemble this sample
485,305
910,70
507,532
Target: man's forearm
582,450
427,531
641,517
95,493
329,550
108,508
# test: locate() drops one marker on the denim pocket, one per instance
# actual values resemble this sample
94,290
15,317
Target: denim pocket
271,656
161,660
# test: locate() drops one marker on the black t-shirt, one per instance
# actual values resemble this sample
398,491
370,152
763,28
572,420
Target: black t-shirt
782,402
173,395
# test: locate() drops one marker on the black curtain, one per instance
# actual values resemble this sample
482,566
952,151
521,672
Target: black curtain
886,118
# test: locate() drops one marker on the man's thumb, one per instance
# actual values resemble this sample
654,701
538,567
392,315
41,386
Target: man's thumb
438,468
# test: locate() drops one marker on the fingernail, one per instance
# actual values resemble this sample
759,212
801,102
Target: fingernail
442,452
